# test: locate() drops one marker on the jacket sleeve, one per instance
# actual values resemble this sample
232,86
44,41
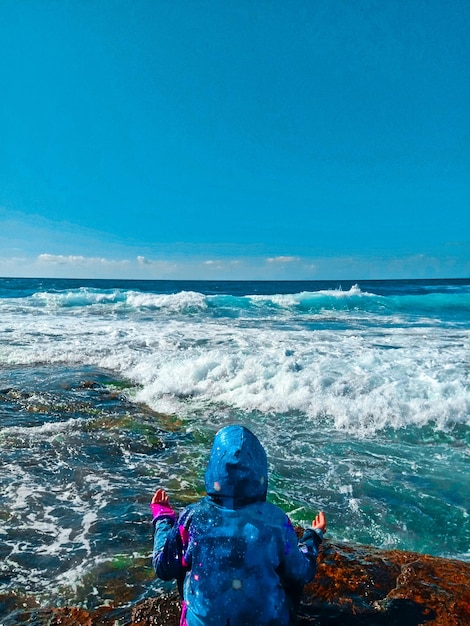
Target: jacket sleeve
298,563
168,548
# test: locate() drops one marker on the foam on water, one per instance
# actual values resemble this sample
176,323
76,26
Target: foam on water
185,301
370,372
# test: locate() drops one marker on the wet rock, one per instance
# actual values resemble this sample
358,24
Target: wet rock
365,585
10,603
355,586
80,617
90,384
154,612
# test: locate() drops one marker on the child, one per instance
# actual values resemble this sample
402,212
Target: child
235,556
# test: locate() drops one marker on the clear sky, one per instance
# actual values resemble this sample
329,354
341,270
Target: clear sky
235,139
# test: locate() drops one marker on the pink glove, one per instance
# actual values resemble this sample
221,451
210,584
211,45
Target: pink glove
161,510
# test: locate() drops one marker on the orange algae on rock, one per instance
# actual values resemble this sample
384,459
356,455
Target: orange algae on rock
355,586
365,585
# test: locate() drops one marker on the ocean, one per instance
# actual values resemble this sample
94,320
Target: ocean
359,391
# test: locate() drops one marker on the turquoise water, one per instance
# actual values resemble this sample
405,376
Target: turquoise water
359,392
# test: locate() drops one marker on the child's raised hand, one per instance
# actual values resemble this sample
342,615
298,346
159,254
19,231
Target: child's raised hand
320,522
160,505
161,497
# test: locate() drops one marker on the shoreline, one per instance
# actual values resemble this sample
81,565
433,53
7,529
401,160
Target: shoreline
355,585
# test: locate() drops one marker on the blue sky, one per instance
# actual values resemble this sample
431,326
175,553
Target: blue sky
308,139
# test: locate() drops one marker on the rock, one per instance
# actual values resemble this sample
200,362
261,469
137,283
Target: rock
364,585
355,586
163,610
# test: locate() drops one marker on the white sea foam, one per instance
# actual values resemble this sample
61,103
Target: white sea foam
361,379
33,432
360,386
82,297
324,297
184,300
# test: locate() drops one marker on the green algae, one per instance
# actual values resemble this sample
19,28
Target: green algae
132,424
119,384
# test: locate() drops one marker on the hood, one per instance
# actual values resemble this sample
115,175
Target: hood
237,473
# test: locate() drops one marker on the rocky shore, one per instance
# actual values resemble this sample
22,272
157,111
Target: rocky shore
355,586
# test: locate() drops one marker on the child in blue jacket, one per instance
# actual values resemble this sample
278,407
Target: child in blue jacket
235,556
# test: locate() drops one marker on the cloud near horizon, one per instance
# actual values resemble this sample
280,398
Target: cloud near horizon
283,259
196,267
183,267
72,259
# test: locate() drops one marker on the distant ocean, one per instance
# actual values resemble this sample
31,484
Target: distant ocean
360,394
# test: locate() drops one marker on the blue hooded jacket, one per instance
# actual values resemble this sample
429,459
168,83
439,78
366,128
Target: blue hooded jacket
235,556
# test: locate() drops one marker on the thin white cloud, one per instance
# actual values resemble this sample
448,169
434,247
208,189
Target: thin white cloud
222,263
283,259
78,260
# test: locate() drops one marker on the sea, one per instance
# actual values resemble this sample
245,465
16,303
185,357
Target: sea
358,390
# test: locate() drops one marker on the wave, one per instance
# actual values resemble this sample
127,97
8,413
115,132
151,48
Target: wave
360,360
220,305
356,299
184,301
358,381
341,381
